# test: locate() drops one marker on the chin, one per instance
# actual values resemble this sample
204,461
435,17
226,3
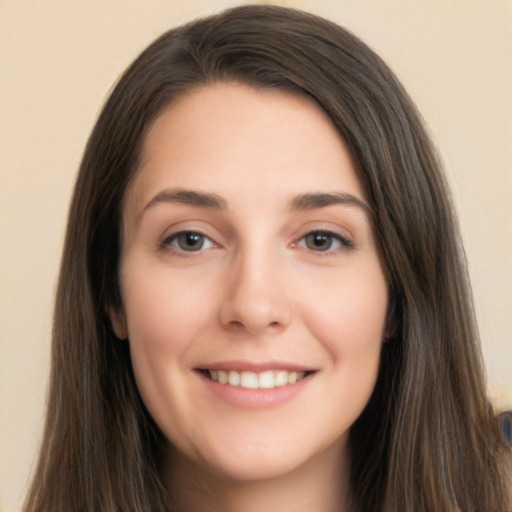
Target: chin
248,461
254,469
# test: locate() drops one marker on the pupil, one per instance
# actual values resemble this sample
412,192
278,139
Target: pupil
319,241
191,241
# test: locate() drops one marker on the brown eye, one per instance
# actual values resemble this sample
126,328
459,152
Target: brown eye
189,241
323,241
319,241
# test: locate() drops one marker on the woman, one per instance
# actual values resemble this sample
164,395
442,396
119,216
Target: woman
263,301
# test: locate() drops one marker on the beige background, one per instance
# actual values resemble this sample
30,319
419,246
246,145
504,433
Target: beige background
58,59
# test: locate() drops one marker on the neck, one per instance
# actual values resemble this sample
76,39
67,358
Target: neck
319,485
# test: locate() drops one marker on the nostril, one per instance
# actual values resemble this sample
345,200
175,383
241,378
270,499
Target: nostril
237,324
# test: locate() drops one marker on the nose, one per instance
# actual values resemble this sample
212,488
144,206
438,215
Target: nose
255,298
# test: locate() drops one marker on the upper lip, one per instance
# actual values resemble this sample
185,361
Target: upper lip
255,366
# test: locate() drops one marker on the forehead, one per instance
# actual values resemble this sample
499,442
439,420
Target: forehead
234,135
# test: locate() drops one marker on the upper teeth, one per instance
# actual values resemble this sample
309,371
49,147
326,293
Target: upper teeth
252,380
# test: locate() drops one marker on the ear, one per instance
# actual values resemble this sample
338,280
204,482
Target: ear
118,322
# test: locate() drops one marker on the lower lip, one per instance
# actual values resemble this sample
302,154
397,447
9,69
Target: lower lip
245,398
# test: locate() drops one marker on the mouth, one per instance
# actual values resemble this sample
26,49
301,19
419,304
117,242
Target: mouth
268,379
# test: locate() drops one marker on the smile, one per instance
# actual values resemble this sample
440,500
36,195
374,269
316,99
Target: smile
268,379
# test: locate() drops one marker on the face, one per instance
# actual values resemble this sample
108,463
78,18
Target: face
254,301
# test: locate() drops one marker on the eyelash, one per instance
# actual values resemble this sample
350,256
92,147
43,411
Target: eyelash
175,237
342,242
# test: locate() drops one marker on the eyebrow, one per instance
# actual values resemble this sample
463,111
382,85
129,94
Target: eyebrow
321,200
308,201
189,197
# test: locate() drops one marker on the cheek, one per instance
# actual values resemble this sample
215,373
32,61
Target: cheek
155,339
164,309
164,317
348,316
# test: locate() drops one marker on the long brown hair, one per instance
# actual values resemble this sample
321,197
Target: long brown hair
426,440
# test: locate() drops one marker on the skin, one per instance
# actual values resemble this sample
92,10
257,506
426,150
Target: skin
261,289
